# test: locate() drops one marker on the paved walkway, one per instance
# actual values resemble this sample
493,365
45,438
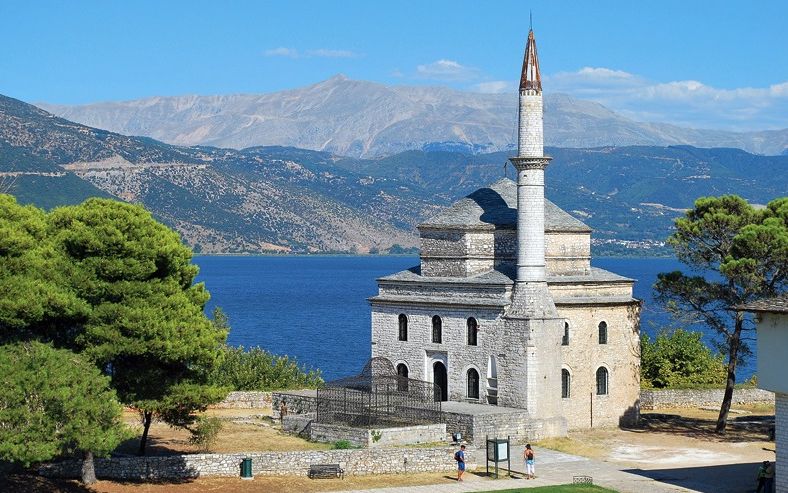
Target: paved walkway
552,468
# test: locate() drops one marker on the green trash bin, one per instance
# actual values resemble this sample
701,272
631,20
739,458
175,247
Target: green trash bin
246,468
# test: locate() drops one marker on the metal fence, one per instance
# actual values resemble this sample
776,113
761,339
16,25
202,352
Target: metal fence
378,397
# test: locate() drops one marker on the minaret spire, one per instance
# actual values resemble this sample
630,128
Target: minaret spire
530,294
530,78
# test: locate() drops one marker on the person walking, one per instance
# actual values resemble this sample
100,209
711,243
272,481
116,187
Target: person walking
528,456
459,456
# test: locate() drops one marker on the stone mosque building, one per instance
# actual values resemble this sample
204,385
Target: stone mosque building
505,309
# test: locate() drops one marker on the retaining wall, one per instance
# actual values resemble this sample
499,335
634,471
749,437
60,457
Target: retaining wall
245,400
304,426
653,399
355,462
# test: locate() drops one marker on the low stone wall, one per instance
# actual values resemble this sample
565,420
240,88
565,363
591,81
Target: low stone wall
653,399
322,432
297,401
245,400
304,426
355,462
520,426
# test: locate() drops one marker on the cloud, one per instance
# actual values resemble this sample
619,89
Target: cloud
282,51
495,87
681,102
294,53
447,70
326,53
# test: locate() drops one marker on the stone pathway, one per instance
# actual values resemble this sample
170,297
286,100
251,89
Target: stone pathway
552,468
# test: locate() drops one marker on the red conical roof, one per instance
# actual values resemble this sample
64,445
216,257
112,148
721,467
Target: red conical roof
530,78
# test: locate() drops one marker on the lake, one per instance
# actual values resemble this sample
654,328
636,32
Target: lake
315,308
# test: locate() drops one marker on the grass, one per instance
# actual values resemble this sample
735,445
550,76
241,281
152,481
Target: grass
564,488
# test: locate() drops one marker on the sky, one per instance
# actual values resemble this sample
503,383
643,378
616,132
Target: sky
704,64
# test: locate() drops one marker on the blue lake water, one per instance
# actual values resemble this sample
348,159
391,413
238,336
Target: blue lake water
315,307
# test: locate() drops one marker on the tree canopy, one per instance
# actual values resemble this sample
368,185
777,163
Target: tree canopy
54,402
739,253
107,280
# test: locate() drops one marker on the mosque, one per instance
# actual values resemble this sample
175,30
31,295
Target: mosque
505,308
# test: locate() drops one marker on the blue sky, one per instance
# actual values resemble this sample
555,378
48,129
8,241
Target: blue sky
708,64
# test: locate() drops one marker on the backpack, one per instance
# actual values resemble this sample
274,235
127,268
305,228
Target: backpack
457,456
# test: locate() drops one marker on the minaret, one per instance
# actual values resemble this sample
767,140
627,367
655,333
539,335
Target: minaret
529,374
531,297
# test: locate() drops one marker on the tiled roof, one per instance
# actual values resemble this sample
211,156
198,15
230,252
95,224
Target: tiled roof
502,275
495,207
778,304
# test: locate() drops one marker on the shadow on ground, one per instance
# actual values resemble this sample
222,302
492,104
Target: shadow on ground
727,478
743,428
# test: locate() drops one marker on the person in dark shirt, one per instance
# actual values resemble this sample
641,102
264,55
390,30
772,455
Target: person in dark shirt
459,456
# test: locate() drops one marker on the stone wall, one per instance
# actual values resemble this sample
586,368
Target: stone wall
297,401
584,355
245,400
520,426
653,399
305,426
781,440
355,462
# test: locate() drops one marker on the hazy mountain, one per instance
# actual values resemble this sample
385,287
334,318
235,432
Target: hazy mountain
220,199
357,118
269,199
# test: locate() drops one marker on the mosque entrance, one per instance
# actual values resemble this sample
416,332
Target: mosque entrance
441,379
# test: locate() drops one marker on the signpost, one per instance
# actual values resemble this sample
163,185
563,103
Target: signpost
498,451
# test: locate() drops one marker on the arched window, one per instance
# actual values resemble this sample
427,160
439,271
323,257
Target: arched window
565,339
473,328
402,377
602,332
601,381
403,327
566,384
437,329
473,384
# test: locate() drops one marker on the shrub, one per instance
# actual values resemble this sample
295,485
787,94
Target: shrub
257,369
679,360
342,445
205,433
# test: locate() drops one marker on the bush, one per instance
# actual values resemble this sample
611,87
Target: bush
679,360
206,432
342,445
257,369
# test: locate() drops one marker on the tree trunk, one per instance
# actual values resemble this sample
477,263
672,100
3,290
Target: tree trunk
88,468
147,417
733,355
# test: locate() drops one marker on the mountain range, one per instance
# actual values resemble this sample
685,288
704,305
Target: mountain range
365,119
289,200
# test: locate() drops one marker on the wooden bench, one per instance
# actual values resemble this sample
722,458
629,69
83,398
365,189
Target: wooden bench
326,471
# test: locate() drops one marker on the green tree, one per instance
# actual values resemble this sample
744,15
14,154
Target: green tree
257,369
35,300
54,402
739,254
679,360
146,324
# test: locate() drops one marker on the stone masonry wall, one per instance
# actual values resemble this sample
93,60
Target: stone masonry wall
657,398
355,462
584,355
419,353
245,400
781,439
302,402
